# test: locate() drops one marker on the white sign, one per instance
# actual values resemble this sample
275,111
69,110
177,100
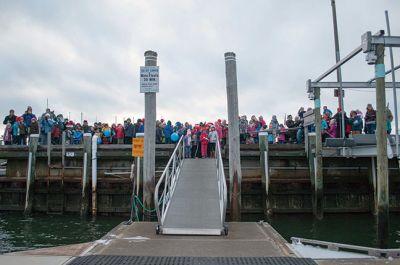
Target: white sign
149,79
69,154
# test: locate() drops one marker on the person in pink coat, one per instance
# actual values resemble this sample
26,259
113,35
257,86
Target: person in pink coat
204,142
331,131
282,134
218,128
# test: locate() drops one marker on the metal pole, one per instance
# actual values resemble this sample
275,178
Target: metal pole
149,140
396,121
235,171
381,140
338,71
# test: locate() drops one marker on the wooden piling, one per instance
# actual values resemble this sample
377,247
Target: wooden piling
318,207
265,180
149,159
381,145
235,170
31,172
94,175
49,149
87,151
372,185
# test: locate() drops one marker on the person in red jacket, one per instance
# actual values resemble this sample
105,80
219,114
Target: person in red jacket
119,133
204,142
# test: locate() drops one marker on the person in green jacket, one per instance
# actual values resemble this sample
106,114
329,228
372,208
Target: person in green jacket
356,123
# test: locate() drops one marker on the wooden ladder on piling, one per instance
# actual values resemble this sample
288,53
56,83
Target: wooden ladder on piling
55,183
55,189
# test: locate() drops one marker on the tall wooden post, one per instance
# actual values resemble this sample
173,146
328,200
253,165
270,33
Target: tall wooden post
265,180
31,172
87,154
381,142
149,140
319,184
235,170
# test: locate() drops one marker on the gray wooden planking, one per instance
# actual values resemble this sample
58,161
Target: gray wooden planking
195,203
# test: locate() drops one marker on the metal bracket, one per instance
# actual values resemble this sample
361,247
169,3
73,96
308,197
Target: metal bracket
311,85
369,41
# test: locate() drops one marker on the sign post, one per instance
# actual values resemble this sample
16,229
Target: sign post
149,86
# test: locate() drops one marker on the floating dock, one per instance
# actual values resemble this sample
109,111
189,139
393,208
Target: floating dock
247,243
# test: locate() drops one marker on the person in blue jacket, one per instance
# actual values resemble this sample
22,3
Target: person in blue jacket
28,115
45,127
168,130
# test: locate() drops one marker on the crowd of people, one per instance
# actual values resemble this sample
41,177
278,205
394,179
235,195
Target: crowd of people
199,139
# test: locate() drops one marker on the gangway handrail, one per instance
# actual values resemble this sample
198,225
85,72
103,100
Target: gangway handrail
169,177
222,188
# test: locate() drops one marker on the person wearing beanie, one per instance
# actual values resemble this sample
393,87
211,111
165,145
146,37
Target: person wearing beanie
370,120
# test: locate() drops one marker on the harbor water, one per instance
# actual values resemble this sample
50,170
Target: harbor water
19,233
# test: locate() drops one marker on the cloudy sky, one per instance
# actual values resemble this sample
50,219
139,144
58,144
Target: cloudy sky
84,56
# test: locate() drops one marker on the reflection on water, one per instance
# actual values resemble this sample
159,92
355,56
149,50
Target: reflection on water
19,233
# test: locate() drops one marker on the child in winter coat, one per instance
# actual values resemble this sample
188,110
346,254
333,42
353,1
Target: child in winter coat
77,134
331,131
204,143
282,134
213,137
7,137
15,131
106,134
187,141
22,132
119,133
356,123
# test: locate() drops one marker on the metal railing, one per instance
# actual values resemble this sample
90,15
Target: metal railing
167,182
222,189
377,252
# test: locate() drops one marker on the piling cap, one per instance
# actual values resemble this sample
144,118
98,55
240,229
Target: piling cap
150,54
230,56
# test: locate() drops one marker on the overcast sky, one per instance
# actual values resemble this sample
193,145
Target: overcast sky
84,56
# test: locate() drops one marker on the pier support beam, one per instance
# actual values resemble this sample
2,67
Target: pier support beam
87,154
149,159
265,180
31,172
382,159
235,170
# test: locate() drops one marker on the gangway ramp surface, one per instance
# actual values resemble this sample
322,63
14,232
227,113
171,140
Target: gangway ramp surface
195,206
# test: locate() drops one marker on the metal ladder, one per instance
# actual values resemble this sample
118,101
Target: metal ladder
191,195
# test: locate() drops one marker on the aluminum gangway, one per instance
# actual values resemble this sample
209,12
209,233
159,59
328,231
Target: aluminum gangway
191,195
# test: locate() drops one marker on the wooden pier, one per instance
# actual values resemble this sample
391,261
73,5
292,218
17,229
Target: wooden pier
348,182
